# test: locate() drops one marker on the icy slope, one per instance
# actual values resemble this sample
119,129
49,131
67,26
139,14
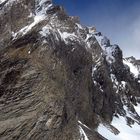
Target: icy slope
125,132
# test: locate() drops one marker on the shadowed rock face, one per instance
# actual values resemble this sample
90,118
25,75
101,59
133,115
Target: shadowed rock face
55,73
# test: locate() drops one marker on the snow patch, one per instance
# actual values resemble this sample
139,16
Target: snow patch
126,132
87,42
99,38
73,49
79,26
133,69
1,1
137,108
27,28
83,125
102,40
106,133
31,15
123,83
8,2
109,55
132,115
45,31
66,35
83,135
41,7
114,80
117,85
48,30
29,52
107,48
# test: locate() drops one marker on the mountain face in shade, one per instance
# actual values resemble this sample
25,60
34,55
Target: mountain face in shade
60,80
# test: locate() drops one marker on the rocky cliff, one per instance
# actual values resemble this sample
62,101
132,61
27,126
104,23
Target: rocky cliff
60,80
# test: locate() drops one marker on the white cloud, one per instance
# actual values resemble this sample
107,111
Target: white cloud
130,42
120,25
126,33
136,32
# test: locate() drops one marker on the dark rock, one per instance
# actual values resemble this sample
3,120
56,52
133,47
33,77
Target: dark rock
56,74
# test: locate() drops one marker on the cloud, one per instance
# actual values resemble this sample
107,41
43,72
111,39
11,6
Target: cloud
136,32
129,39
125,31
120,24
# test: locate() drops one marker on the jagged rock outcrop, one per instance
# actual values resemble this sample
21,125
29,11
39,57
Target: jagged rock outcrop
60,80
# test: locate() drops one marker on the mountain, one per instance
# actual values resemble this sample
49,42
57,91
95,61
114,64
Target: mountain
60,80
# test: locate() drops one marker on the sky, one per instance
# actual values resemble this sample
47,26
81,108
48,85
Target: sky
119,20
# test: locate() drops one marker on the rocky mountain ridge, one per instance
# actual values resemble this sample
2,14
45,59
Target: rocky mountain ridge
60,80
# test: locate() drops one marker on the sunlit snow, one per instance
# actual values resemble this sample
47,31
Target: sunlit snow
99,39
1,1
39,16
83,125
126,132
133,69
108,53
66,35
27,28
79,26
83,135
137,108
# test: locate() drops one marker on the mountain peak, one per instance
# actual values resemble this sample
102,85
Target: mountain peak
60,80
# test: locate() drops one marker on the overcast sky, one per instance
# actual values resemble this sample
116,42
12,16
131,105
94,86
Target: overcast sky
119,20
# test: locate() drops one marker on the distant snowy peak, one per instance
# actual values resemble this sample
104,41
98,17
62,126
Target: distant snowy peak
102,40
109,51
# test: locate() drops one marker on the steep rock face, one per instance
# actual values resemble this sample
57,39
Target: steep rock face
59,80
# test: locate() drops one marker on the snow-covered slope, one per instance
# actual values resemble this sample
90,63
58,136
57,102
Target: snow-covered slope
125,132
120,129
134,69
